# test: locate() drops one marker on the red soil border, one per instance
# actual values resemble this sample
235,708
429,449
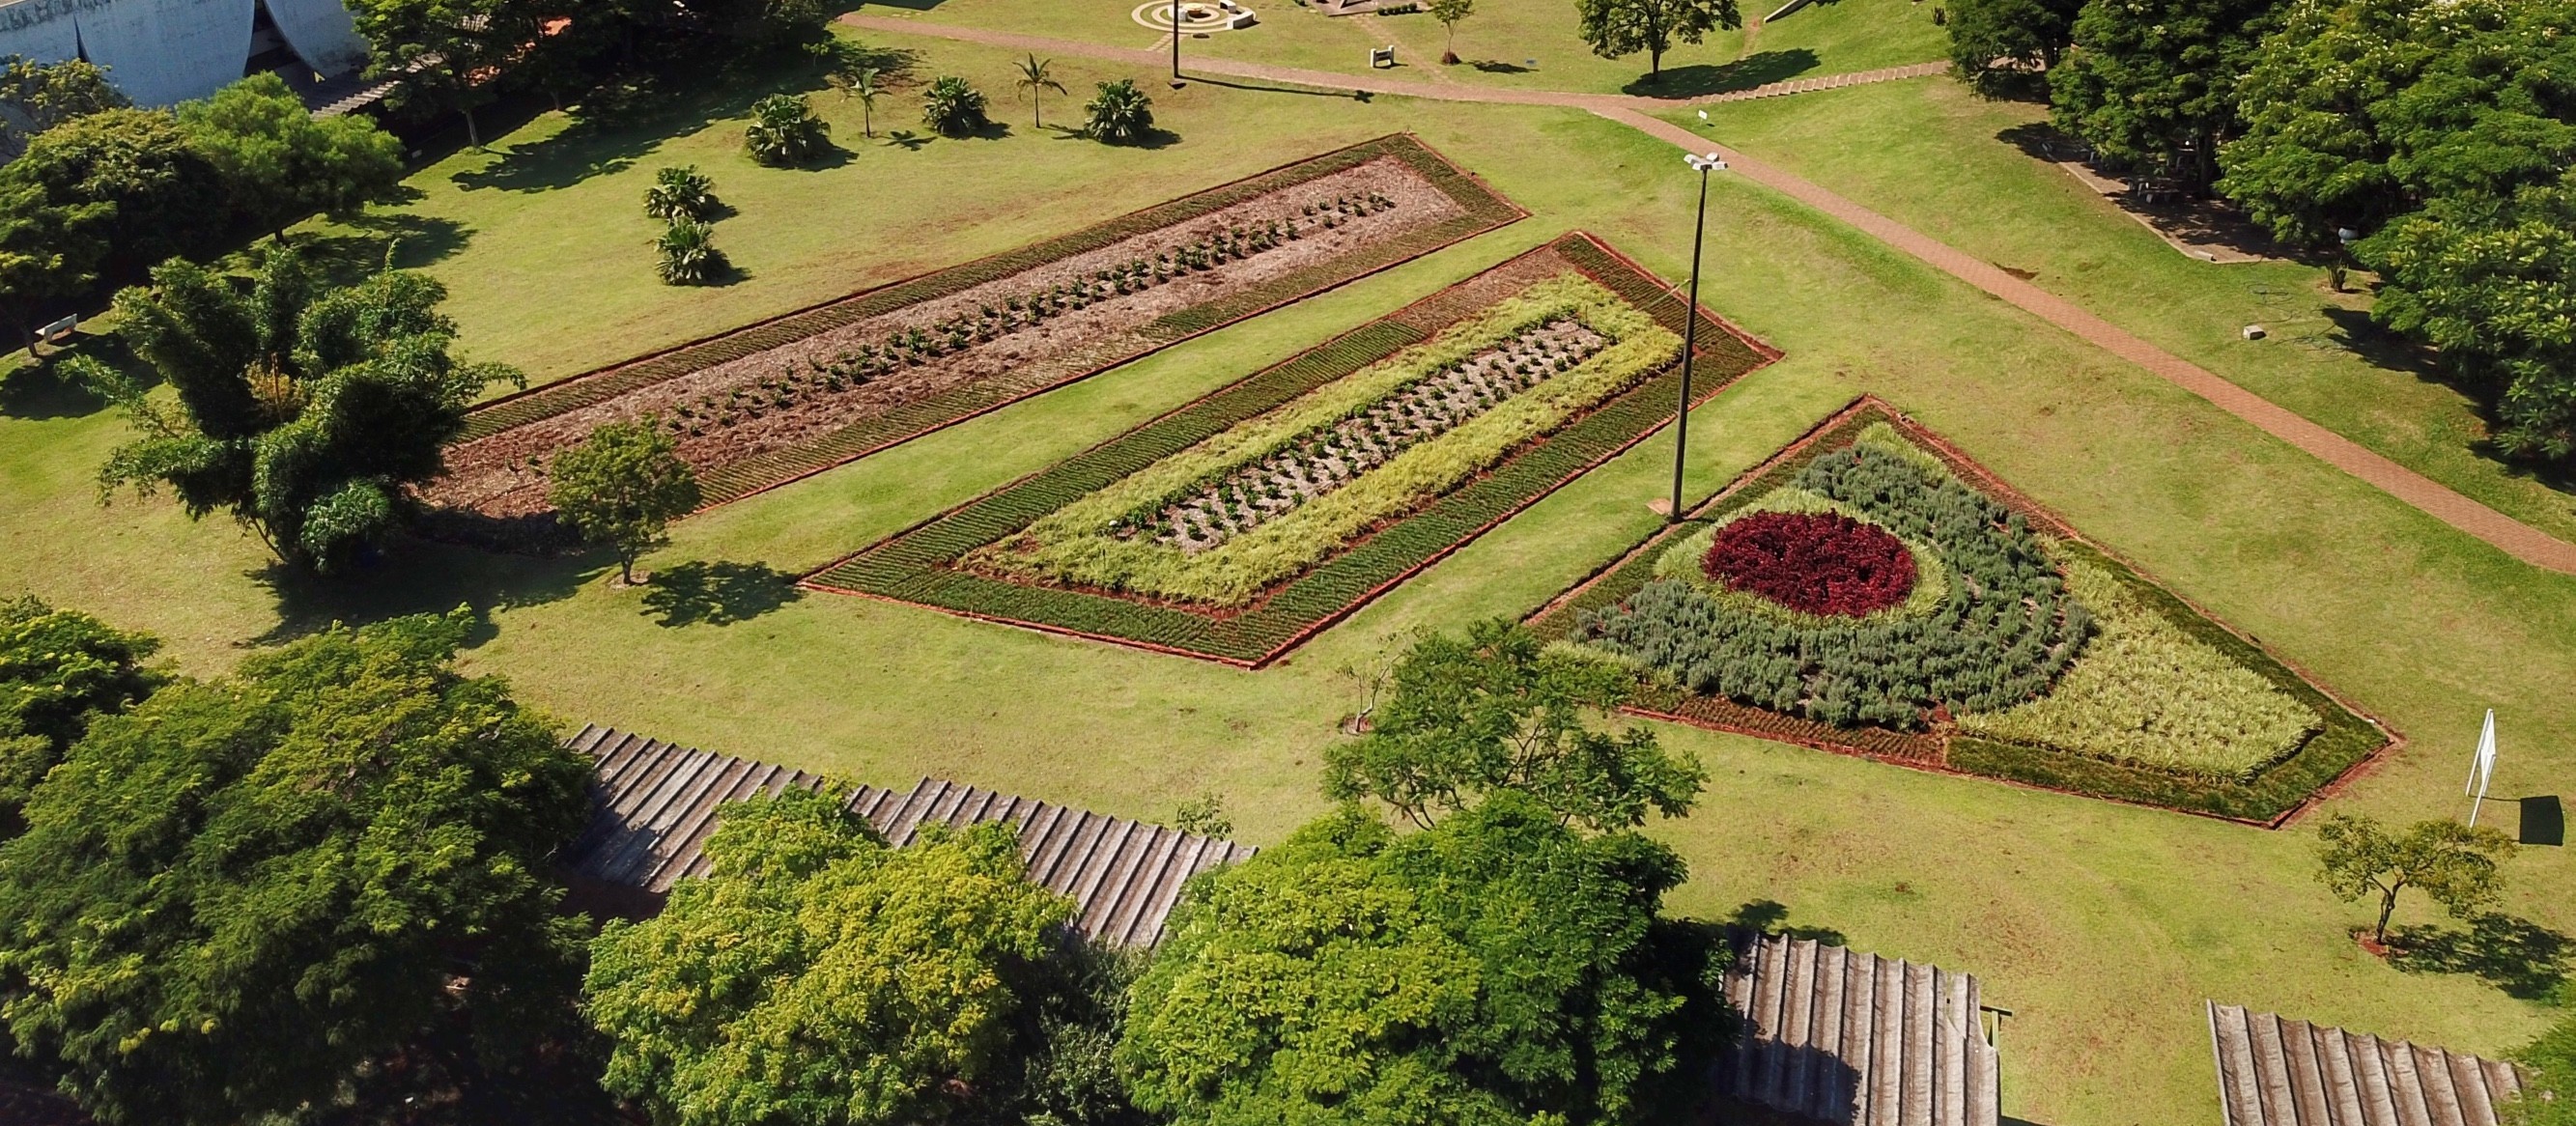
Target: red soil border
1767,354
1518,213
1995,488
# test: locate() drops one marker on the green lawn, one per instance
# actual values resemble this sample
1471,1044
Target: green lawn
2101,926
1526,44
1935,157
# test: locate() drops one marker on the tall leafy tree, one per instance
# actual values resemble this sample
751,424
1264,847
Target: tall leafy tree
59,669
1625,27
2452,864
2491,285
49,249
280,163
2444,132
1496,711
1497,968
2002,47
303,410
444,51
2358,111
817,976
36,96
245,896
622,486
151,191
2153,82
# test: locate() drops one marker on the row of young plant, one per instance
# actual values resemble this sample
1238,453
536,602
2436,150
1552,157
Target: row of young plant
2000,637
920,566
1485,210
957,332
1082,544
1331,455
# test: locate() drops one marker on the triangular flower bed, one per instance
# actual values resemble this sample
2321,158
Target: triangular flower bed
1870,590
1237,526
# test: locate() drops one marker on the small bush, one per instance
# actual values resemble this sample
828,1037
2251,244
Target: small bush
953,107
680,193
784,131
1120,113
689,254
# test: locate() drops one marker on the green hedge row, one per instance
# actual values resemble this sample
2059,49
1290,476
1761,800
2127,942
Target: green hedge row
1485,210
914,566
2346,739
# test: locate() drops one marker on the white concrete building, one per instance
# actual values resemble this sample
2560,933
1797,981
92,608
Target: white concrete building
164,51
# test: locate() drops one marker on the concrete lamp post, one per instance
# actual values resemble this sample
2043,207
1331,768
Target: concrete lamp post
1690,330
1176,45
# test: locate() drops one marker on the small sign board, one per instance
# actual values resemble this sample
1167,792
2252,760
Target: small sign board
1381,58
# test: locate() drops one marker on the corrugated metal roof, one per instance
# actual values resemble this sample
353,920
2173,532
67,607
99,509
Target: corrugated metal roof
2274,1071
658,801
1841,1036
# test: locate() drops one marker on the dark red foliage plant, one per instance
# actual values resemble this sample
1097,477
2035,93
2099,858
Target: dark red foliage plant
1815,563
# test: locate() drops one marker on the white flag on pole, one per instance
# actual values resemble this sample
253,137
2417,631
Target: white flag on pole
2482,767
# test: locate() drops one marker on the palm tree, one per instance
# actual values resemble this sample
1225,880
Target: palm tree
1121,114
864,86
1038,74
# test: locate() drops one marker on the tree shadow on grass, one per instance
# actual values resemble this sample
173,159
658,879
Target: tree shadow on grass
419,577
1767,915
1758,69
1498,66
612,129
40,389
2514,954
717,594
2353,331
357,247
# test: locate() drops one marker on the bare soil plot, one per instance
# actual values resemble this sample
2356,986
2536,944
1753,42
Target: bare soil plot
760,406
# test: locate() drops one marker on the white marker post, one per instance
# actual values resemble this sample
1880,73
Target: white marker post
2482,768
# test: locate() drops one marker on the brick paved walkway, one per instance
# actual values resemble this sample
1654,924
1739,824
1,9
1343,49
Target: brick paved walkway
2507,534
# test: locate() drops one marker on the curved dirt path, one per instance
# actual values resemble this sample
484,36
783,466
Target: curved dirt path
2505,533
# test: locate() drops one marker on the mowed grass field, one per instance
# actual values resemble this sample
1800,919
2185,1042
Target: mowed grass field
2101,926
1935,157
1525,44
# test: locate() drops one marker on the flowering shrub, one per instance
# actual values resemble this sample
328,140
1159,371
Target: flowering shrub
1813,562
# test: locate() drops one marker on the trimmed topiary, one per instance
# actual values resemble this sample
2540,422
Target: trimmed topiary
953,107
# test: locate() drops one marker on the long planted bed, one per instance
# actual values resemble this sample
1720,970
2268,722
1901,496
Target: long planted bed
1238,525
1869,590
779,400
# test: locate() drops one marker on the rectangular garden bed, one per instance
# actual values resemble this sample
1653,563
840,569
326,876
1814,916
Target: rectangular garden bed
2020,651
1238,525
760,406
